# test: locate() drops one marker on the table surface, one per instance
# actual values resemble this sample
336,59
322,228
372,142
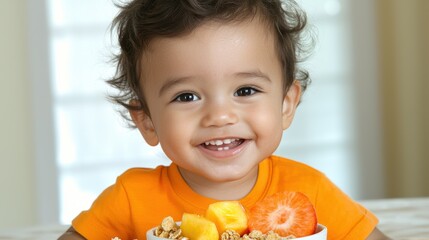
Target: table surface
406,218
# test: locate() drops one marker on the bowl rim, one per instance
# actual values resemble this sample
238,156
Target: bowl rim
320,230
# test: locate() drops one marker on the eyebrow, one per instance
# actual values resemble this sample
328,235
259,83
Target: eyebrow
253,74
172,82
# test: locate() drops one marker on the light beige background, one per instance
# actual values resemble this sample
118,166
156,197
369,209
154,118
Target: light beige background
402,46
404,76
17,205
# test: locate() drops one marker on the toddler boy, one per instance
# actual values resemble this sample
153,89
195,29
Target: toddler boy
215,83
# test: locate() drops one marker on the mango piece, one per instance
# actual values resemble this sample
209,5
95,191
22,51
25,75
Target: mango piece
197,227
228,215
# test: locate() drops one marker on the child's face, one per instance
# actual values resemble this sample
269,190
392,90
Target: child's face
215,99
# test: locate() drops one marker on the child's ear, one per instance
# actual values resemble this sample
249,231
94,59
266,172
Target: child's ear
290,103
144,123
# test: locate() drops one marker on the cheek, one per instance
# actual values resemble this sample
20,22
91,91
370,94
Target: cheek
174,130
267,120
171,134
268,130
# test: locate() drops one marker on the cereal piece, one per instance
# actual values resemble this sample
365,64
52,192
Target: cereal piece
158,230
163,235
175,234
245,237
257,235
169,229
230,235
168,224
272,236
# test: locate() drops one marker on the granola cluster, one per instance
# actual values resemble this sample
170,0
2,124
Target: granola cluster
253,235
169,229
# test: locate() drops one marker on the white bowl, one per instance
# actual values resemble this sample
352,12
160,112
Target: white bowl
321,234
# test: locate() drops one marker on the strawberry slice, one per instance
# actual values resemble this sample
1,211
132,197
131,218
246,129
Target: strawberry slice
286,213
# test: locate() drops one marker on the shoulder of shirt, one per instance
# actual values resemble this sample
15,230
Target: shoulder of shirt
142,174
293,167
299,176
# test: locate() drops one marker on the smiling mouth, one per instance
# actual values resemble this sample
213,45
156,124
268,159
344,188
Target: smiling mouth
222,145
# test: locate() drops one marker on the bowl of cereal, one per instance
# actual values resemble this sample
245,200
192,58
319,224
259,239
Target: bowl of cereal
283,215
169,229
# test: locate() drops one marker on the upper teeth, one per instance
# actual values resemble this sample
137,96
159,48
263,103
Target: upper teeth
220,142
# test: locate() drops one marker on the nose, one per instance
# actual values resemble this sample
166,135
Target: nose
219,114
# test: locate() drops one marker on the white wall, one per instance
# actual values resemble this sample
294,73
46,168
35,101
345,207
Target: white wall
17,178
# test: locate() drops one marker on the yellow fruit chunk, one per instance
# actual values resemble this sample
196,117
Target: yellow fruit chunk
197,227
228,215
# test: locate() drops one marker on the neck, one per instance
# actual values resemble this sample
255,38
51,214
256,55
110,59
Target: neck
224,190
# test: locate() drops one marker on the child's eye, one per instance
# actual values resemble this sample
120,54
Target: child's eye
245,91
186,97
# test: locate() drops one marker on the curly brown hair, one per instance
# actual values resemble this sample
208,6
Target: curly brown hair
140,21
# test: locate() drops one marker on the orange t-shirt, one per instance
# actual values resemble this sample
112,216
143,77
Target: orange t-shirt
141,198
